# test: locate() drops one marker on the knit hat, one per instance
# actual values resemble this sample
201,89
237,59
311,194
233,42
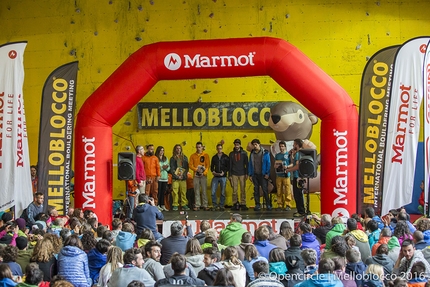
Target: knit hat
7,216
43,223
21,242
7,239
20,222
237,141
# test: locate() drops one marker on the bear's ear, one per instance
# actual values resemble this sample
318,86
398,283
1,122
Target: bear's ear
313,118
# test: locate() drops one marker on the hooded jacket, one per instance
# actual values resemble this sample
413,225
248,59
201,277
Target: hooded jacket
362,242
96,261
231,235
208,273
238,271
238,163
154,268
374,237
336,230
264,247
309,240
382,240
383,260
393,248
7,282
73,265
278,267
195,261
145,216
220,164
265,165
125,240
248,266
406,265
241,250
295,252
355,268
321,280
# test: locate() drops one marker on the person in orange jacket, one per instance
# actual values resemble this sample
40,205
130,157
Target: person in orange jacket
199,163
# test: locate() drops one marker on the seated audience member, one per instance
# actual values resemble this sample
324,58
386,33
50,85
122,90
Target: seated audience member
402,232
262,241
194,255
383,239
381,258
43,254
374,276
145,236
212,258
204,225
369,213
232,263
231,235
116,227
179,264
277,263
294,250
418,276
126,237
33,276
324,276
423,225
309,240
251,256
277,239
419,242
100,231
24,253
286,231
338,248
324,227
6,277
339,271
394,248
225,278
132,270
176,242
73,262
374,232
310,260
246,241
88,241
262,276
108,235
97,258
10,254
337,229
114,261
355,267
408,257
152,260
146,215
294,274
361,239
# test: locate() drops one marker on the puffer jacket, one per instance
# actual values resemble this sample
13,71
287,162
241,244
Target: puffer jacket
309,240
96,261
73,265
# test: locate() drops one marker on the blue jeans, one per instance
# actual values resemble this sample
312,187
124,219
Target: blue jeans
215,181
130,206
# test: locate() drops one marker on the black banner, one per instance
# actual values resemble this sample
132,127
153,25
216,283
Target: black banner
249,115
374,113
56,137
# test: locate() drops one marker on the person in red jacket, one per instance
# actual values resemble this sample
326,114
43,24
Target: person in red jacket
421,200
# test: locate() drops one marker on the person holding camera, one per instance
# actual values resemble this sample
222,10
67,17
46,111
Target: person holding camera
283,183
297,186
199,163
146,214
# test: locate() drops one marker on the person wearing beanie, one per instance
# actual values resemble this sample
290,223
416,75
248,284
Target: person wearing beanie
238,174
22,227
24,254
259,172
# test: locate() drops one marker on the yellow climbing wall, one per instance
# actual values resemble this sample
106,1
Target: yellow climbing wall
338,36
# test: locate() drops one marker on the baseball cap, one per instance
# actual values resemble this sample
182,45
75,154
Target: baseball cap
237,141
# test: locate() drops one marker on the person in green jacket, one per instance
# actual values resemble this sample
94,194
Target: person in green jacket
338,229
232,234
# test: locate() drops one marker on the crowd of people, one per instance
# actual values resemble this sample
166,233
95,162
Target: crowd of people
77,250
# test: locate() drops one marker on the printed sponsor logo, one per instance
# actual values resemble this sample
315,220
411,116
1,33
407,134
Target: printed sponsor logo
173,61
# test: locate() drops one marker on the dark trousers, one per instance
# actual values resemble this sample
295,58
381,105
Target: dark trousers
298,197
162,187
259,180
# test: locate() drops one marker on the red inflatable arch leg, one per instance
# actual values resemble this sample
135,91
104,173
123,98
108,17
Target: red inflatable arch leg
248,57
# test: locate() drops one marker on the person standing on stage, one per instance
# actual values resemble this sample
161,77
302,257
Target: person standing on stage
283,183
179,170
259,171
199,163
152,170
33,172
219,167
297,191
164,171
140,169
238,174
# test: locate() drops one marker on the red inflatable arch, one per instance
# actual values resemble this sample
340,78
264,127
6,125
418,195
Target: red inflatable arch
202,59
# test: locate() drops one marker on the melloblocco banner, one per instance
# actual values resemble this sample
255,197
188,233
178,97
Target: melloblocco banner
56,137
374,108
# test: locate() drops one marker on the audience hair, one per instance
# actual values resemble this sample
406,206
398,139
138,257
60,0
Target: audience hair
193,247
285,230
176,228
260,267
326,265
224,277
262,233
295,240
352,255
178,263
246,237
309,256
205,225
277,255
251,252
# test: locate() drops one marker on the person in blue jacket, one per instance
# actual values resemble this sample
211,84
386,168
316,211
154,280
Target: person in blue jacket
259,171
73,262
324,277
97,258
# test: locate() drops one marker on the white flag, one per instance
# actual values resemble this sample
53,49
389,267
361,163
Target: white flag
15,178
403,124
